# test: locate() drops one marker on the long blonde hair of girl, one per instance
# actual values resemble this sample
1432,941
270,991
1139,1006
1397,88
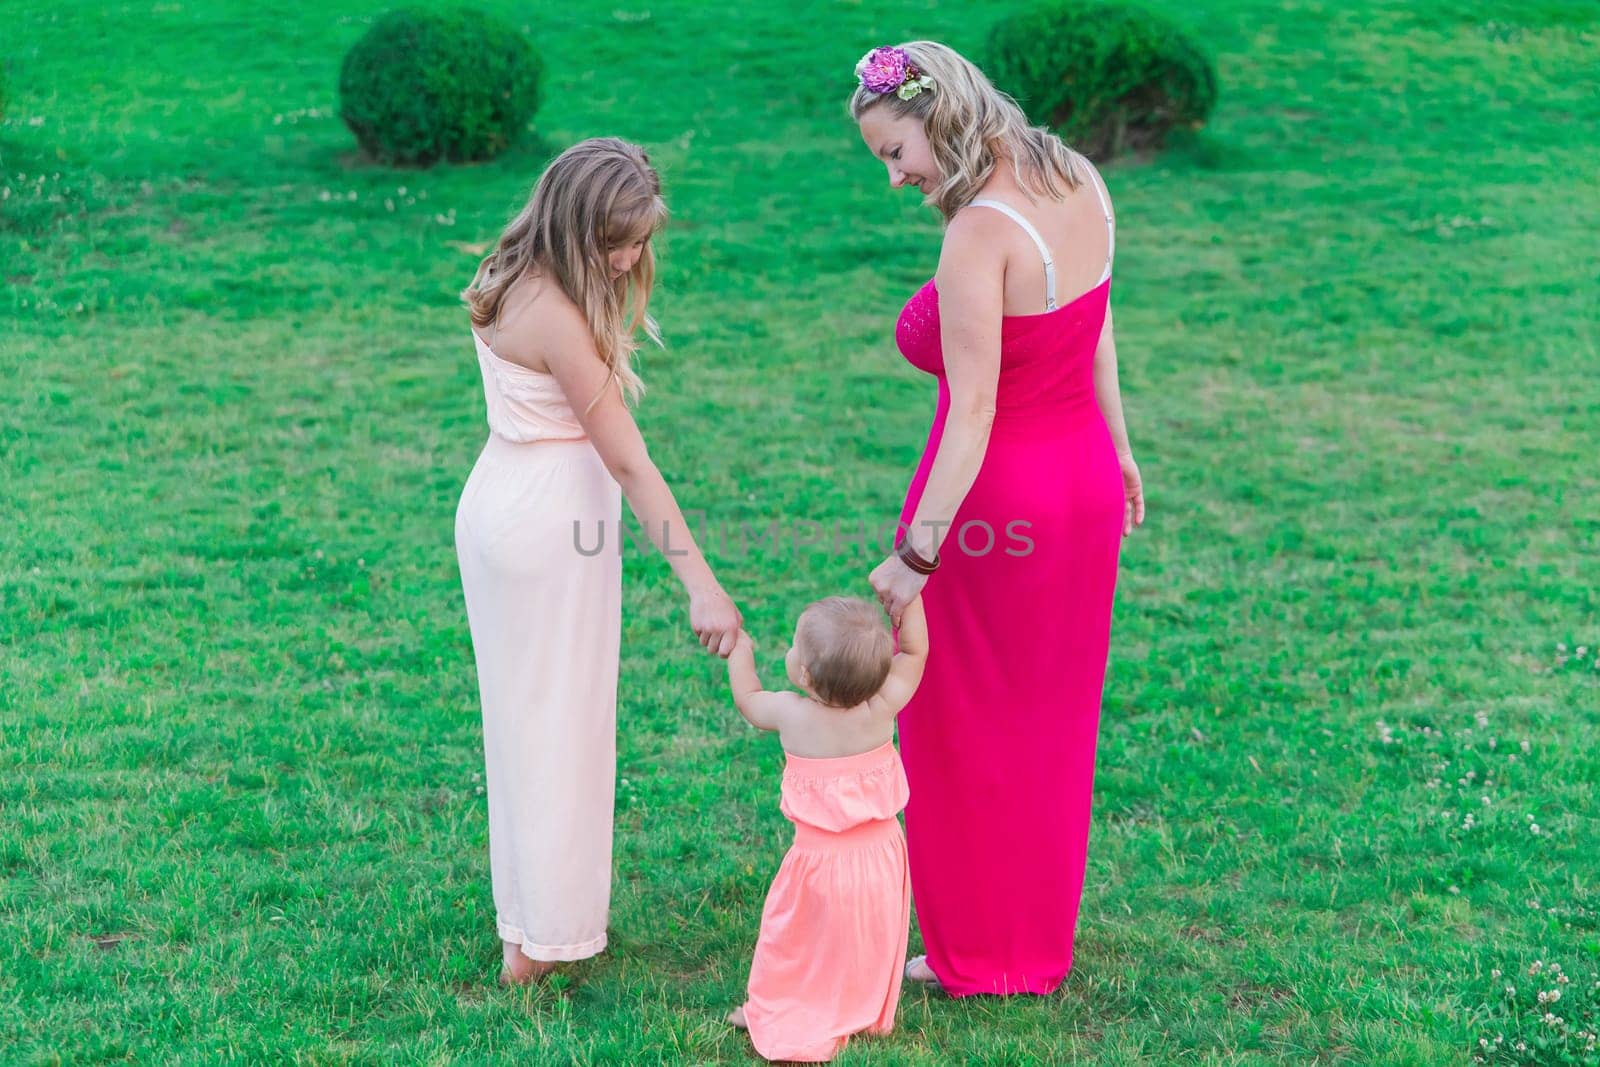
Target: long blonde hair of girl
597,196
970,125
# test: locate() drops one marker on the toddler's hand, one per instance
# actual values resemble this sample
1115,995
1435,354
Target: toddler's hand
744,640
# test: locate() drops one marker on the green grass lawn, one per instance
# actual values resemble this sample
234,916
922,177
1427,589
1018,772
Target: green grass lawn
1355,658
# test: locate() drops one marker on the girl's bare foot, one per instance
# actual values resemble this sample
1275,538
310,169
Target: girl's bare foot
736,1018
517,969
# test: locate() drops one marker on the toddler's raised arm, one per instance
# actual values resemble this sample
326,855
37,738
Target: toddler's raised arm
759,707
905,670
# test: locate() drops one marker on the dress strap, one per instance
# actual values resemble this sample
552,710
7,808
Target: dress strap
1044,250
1111,225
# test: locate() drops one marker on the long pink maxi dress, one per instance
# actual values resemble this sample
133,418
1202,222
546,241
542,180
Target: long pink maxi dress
999,742
833,931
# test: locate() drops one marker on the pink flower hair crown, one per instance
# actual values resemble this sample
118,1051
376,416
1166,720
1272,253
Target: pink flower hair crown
890,70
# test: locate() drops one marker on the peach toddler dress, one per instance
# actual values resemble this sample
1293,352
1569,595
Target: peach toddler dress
833,933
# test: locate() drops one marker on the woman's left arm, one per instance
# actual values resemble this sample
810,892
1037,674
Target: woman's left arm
971,284
1108,394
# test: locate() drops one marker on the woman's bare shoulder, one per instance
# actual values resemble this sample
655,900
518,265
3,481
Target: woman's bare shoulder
975,236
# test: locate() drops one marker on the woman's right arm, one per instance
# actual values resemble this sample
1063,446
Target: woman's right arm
562,341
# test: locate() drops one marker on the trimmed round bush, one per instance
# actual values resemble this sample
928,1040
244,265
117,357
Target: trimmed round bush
1106,77
424,86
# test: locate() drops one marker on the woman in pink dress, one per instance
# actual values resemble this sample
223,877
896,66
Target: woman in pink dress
1012,523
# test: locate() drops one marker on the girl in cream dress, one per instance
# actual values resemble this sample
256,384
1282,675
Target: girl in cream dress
554,311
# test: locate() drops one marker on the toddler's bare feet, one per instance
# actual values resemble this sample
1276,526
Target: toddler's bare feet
517,969
736,1018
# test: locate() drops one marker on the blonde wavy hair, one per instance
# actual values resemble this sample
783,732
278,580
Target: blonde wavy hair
970,126
597,196
846,649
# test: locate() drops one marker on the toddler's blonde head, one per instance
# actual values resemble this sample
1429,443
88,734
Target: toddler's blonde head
845,647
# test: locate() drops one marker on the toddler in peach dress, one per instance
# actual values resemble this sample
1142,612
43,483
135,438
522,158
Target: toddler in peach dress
829,958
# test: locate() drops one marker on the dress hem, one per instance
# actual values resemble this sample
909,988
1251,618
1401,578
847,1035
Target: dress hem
550,953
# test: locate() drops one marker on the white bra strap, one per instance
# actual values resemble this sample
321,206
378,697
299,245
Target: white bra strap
1111,226
1044,250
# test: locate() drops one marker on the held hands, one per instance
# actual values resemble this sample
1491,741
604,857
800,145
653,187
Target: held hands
896,585
1133,495
715,620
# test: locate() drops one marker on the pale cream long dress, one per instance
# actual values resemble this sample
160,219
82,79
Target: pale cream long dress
545,611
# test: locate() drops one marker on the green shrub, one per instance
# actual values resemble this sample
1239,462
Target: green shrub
1106,77
422,86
